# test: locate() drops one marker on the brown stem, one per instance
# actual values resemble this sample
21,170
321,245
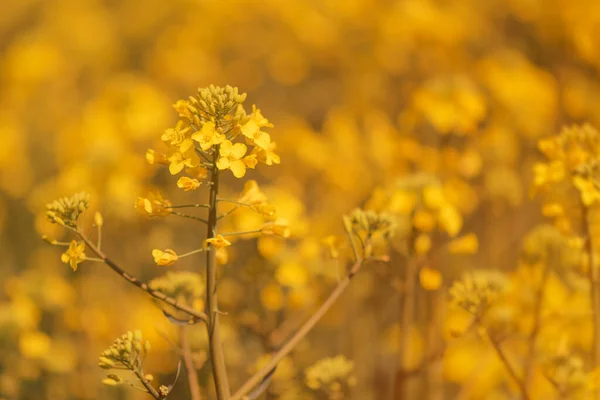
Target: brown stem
153,392
214,328
186,352
508,366
299,335
594,292
537,324
410,285
142,285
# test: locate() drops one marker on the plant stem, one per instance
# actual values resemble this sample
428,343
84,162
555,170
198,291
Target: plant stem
537,324
403,391
151,391
298,336
214,332
142,285
594,292
508,366
186,352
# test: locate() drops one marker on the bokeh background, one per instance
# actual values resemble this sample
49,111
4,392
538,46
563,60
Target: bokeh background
365,96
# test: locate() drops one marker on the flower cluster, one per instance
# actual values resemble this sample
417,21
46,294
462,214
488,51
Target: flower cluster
477,291
186,287
331,375
211,124
127,352
67,210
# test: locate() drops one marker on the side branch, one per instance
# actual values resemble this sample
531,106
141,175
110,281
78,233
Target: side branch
199,315
299,335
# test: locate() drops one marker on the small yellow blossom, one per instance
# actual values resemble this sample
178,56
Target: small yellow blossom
424,221
266,209
271,297
231,158
222,256
164,258
467,244
279,227
34,344
589,192
268,155
422,244
430,279
251,194
152,157
251,129
153,205
188,184
74,254
208,136
180,160
219,242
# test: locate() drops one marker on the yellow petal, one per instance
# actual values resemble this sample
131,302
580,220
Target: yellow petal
238,168
225,148
238,150
223,163
249,129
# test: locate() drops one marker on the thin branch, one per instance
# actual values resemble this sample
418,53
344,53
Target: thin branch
537,324
186,353
508,366
258,377
225,214
240,233
594,291
142,285
189,206
189,216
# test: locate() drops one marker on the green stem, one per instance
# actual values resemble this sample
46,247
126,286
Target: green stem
214,329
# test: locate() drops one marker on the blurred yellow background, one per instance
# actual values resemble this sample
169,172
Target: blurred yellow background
366,96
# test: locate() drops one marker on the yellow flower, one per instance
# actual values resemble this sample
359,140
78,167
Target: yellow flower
271,297
251,129
153,206
588,190
231,158
266,209
422,244
222,256
279,227
188,184
164,258
267,156
34,344
430,278
251,194
152,157
74,254
467,244
219,242
208,136
179,160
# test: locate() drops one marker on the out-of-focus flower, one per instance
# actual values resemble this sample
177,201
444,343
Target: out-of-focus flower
154,205
279,227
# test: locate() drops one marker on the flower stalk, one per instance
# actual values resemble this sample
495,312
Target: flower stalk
213,326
